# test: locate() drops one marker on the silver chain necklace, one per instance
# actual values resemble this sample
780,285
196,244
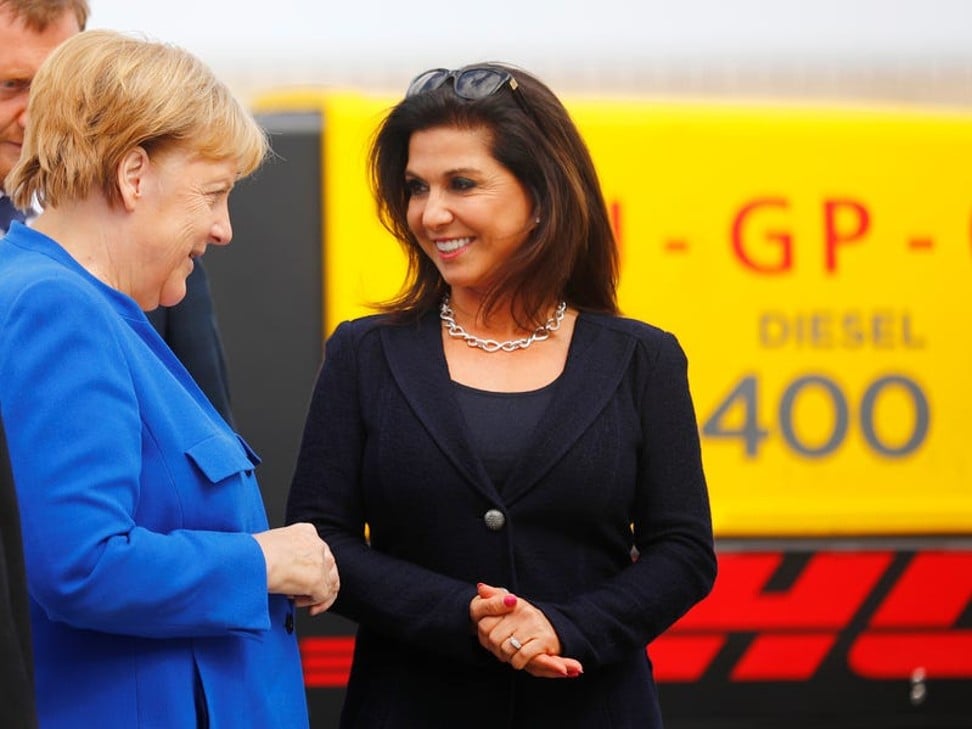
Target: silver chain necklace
447,315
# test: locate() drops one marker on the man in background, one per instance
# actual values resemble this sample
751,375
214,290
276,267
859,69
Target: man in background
16,655
29,31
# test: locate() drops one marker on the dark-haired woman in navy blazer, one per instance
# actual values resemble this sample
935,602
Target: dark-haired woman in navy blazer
507,471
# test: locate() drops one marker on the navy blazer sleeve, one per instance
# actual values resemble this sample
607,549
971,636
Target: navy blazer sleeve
674,565
394,596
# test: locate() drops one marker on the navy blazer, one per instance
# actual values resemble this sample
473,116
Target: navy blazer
613,471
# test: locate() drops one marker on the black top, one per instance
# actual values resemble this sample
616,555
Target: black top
501,424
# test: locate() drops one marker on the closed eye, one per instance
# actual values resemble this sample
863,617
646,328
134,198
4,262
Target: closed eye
12,87
216,196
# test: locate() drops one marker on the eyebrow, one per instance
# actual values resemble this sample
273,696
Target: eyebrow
452,172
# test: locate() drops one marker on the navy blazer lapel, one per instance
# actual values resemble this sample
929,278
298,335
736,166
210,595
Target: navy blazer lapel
596,362
418,364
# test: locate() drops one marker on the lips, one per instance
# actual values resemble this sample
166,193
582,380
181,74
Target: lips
451,246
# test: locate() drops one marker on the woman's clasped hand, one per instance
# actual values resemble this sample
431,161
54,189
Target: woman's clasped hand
518,633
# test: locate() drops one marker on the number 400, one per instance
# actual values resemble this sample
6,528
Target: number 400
745,394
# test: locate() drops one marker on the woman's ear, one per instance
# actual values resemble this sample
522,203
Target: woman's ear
131,176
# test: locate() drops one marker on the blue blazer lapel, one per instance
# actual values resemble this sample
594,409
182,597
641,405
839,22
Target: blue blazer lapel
417,362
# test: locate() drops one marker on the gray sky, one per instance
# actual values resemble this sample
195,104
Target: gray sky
362,40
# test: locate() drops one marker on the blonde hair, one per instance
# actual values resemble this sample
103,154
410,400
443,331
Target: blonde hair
100,94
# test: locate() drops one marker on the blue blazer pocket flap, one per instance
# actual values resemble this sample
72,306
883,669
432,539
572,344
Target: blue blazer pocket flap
250,453
220,457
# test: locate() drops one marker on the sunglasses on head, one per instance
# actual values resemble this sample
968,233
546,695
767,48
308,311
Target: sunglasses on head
471,82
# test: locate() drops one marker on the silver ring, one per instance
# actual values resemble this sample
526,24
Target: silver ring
515,643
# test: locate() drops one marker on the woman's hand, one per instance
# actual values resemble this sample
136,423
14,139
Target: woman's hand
300,564
518,633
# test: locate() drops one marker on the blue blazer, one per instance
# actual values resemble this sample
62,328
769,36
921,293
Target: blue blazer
386,444
191,331
137,503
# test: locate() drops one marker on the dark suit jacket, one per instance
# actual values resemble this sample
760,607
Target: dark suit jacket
16,656
386,444
190,330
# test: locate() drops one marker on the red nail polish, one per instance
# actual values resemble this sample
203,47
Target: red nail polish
509,600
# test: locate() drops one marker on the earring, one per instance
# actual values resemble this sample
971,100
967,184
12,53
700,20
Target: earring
537,221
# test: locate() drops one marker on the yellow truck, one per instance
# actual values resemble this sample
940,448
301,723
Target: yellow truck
816,264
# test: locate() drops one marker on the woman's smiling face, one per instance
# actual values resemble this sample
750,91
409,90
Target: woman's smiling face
186,202
467,211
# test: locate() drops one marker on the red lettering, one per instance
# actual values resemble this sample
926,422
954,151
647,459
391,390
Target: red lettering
798,625
783,657
934,591
684,658
915,625
827,594
860,222
783,241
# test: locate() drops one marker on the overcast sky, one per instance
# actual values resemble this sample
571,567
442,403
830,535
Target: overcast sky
344,40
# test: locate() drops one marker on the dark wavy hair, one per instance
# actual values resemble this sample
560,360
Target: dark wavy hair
571,254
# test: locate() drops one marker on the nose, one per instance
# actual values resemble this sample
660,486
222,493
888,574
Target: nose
222,231
436,212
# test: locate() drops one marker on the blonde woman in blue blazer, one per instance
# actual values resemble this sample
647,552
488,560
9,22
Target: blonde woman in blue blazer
526,460
158,595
